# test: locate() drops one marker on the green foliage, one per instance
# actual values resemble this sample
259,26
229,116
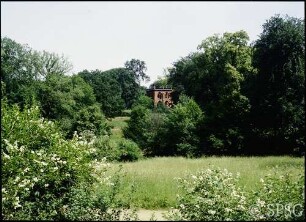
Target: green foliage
91,118
22,69
116,149
144,101
211,194
278,100
46,177
107,91
214,194
182,123
128,151
161,83
71,102
138,69
39,166
272,201
151,130
130,90
214,76
16,72
137,126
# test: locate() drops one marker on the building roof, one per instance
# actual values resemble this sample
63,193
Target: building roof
160,89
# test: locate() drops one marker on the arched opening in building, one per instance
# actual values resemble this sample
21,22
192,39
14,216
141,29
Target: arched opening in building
160,95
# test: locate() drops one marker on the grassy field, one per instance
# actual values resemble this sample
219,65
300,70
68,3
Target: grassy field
117,124
153,179
156,188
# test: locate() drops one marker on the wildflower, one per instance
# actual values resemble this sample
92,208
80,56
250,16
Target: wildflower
21,148
182,206
227,210
42,170
21,185
16,203
5,156
35,179
46,185
26,169
212,212
241,207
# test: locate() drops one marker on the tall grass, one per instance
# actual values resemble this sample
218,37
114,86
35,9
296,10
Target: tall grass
153,179
155,186
117,124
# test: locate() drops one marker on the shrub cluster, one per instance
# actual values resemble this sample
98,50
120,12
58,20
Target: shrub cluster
214,195
47,177
116,149
154,130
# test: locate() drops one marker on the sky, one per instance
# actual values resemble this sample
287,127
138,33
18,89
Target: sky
104,35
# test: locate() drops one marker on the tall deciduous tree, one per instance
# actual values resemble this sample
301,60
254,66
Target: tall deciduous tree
107,91
17,73
278,103
138,68
23,68
71,102
130,90
214,76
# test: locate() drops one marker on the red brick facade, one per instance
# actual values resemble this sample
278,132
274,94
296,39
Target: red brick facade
161,96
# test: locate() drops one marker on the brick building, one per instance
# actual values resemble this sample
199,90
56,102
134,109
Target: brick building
161,95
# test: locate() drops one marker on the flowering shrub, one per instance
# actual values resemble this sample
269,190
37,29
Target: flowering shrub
45,176
213,194
280,197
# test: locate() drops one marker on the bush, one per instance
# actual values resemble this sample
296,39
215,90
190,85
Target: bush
182,123
213,194
116,150
128,151
137,125
279,197
44,176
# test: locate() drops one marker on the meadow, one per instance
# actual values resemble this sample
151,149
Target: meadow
155,187
151,182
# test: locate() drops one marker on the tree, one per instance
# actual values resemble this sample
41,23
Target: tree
182,123
138,125
161,82
71,102
214,76
22,70
278,102
46,63
17,73
138,69
130,90
107,91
